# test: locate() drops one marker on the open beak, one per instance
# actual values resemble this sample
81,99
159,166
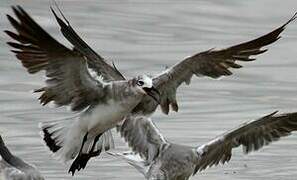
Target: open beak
154,93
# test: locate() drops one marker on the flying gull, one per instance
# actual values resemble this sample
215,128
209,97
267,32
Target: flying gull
79,77
103,104
14,168
157,158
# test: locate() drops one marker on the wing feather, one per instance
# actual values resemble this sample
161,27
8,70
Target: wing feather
68,80
142,136
95,61
251,136
211,63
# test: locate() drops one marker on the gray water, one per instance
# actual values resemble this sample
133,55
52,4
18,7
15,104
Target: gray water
145,37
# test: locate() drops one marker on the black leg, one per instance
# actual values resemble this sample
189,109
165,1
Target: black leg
82,159
92,153
75,165
84,141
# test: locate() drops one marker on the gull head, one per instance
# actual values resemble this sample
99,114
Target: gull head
145,84
144,81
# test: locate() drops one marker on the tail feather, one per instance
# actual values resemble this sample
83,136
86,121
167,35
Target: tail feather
65,141
50,141
55,135
52,134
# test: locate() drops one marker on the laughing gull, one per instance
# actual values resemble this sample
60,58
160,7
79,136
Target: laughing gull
157,158
14,168
80,77
102,103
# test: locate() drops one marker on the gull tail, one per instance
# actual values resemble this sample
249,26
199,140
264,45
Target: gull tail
63,138
53,134
133,159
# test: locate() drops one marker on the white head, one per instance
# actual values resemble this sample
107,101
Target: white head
144,81
145,84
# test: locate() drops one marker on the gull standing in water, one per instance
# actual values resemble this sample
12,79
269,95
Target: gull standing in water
158,159
81,78
14,168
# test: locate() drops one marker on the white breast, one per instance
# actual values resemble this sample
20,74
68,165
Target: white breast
104,117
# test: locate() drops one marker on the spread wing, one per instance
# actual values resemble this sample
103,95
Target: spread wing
142,136
10,159
68,80
95,61
211,63
252,136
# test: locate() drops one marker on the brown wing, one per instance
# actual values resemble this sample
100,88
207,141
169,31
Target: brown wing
212,63
68,80
95,61
252,136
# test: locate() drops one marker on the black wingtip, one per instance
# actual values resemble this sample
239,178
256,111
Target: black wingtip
283,27
291,19
1,141
15,9
11,19
118,72
61,13
13,35
7,32
59,20
18,11
52,9
271,114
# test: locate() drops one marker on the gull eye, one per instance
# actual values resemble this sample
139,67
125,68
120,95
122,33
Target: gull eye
140,83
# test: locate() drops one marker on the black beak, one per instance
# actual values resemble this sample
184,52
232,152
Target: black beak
154,93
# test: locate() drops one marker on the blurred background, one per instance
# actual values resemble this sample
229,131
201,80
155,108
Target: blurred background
146,37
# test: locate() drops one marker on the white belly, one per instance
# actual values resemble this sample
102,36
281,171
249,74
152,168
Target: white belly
104,117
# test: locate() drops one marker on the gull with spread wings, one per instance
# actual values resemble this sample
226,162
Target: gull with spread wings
81,78
157,158
14,168
103,103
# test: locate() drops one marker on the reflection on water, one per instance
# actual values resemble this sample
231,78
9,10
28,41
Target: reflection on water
146,36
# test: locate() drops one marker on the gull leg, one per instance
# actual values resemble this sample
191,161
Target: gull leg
86,157
82,159
76,164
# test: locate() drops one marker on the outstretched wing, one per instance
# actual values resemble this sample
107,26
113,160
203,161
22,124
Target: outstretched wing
68,80
142,136
10,159
95,61
252,136
212,63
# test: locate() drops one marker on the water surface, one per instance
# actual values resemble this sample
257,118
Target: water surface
145,37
